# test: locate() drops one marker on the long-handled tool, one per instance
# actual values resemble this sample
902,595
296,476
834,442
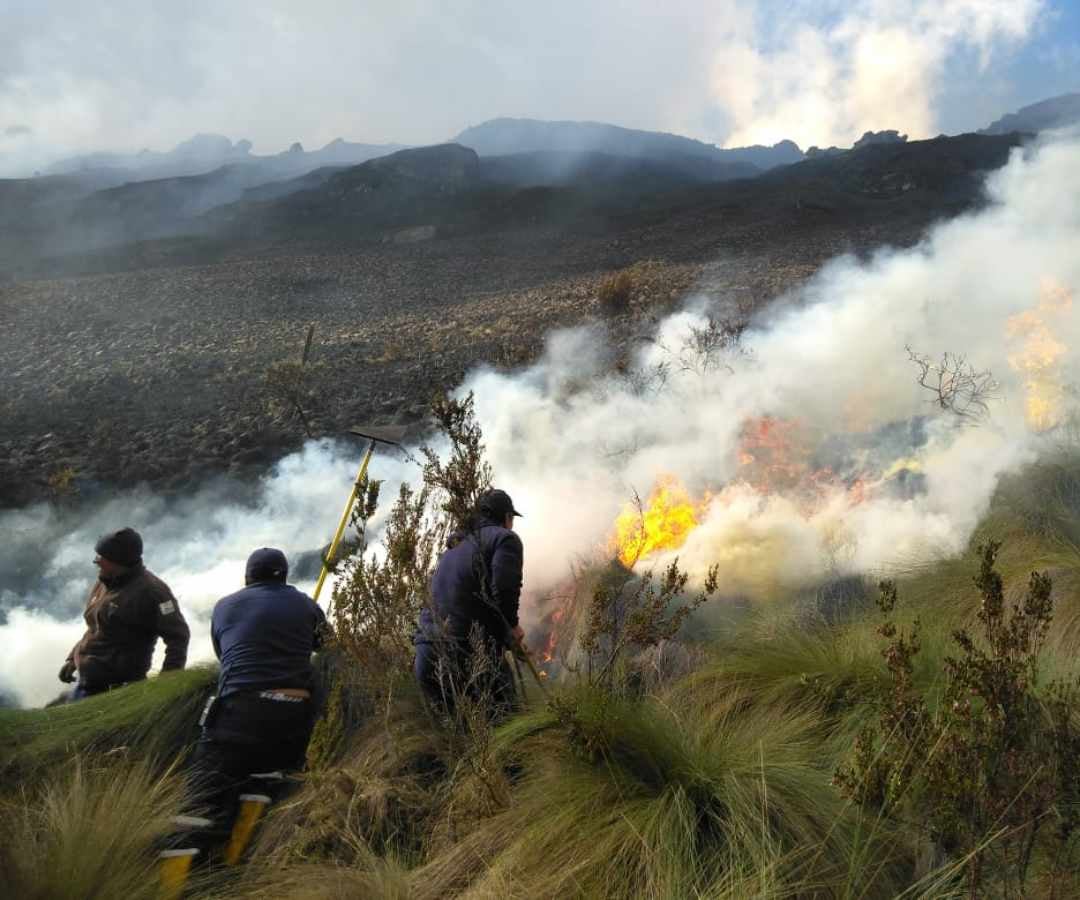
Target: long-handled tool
521,653
390,435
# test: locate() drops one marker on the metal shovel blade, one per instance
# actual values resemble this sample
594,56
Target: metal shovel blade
381,434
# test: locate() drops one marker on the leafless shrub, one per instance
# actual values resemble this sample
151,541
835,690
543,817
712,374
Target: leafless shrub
289,386
955,385
707,346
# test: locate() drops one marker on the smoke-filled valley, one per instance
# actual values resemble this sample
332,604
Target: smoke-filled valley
858,423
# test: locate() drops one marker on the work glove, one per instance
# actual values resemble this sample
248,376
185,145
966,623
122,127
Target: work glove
67,672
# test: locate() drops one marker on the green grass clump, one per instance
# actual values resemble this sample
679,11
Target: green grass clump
154,719
638,798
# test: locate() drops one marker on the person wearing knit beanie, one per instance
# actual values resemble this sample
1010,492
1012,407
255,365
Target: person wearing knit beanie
128,609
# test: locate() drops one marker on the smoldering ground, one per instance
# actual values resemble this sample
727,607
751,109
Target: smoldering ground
873,471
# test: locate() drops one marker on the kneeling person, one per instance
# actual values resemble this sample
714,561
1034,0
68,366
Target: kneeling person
262,717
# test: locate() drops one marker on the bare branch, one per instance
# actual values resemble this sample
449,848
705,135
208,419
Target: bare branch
956,386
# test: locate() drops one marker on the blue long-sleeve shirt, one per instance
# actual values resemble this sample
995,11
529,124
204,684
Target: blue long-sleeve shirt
477,581
264,636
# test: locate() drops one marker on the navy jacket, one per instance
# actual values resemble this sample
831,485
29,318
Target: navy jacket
488,556
264,636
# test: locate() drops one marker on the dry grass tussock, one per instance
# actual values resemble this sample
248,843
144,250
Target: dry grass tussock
90,831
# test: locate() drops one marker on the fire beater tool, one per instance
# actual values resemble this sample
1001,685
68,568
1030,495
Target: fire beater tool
391,436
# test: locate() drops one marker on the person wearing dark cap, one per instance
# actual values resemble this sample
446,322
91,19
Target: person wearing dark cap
262,716
475,593
129,608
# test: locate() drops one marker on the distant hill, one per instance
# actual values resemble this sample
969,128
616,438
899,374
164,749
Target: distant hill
1057,112
448,189
206,152
502,137
451,189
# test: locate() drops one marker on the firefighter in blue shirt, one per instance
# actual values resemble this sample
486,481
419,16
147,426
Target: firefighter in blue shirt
262,716
475,594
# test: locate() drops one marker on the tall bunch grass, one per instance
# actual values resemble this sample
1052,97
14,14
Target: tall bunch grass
636,798
90,831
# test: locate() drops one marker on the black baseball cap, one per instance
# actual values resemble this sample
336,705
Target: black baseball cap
497,504
266,564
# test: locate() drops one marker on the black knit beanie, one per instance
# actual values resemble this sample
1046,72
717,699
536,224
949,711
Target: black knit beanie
123,547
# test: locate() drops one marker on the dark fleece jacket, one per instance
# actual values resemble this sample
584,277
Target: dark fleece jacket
477,581
124,617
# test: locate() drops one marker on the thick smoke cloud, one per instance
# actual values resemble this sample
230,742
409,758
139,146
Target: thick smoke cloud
197,544
832,360
76,77
572,442
871,66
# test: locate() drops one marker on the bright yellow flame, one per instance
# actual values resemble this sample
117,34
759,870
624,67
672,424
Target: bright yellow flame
663,524
909,462
1039,357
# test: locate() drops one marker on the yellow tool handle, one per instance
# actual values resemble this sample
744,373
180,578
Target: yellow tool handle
344,521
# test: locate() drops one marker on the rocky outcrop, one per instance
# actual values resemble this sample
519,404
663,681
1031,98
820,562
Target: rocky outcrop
879,137
1057,112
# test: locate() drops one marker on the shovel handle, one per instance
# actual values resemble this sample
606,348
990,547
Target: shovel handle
344,521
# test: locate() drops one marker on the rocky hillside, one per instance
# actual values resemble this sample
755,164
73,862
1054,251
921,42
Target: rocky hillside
1057,112
164,371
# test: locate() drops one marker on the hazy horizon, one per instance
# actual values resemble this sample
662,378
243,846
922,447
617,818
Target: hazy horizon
77,79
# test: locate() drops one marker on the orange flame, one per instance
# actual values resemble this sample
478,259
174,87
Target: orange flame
1039,357
552,642
773,453
662,524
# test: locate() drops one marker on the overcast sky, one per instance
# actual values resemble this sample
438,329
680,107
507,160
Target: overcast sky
125,74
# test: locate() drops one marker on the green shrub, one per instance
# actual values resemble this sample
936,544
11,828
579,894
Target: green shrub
991,775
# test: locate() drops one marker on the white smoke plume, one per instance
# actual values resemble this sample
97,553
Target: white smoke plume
571,441
875,64
831,358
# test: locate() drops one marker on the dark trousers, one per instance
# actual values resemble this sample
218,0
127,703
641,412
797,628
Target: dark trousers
247,734
447,671
85,689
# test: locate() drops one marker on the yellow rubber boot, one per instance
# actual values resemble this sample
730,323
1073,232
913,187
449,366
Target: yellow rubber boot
252,806
174,870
